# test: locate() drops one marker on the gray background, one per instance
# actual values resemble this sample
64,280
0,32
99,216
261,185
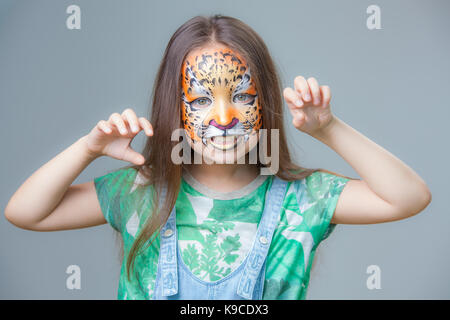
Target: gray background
390,84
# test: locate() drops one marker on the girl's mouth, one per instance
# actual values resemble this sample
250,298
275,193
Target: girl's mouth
225,142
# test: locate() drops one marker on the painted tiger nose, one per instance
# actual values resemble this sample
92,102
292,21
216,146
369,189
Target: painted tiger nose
226,127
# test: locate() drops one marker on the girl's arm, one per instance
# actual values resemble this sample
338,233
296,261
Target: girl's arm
47,201
32,205
389,189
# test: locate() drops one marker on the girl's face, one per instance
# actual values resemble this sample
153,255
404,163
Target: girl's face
220,109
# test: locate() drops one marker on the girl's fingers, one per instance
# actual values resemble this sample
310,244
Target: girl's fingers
302,87
130,116
117,120
103,125
146,125
315,90
298,120
132,156
293,98
326,95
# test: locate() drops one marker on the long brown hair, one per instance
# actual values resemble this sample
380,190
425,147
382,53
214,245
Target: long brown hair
166,113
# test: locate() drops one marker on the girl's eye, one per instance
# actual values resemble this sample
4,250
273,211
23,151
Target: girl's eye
242,98
201,102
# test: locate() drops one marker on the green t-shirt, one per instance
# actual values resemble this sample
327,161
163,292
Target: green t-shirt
216,230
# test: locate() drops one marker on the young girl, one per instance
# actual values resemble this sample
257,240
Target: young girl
218,229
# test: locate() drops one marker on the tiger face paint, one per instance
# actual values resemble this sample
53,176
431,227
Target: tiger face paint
220,107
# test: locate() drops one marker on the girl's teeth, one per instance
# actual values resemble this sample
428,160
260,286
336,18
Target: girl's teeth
223,140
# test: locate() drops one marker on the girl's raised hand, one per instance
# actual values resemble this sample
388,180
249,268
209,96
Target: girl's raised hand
113,137
309,105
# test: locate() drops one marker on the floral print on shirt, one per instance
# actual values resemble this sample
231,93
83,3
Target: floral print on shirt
215,235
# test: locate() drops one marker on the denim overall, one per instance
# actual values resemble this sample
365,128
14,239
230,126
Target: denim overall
174,281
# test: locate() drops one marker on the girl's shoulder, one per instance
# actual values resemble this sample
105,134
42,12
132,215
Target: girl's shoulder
319,188
121,193
314,199
324,181
125,178
321,183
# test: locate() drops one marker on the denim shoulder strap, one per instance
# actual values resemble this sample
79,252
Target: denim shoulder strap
168,254
257,256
